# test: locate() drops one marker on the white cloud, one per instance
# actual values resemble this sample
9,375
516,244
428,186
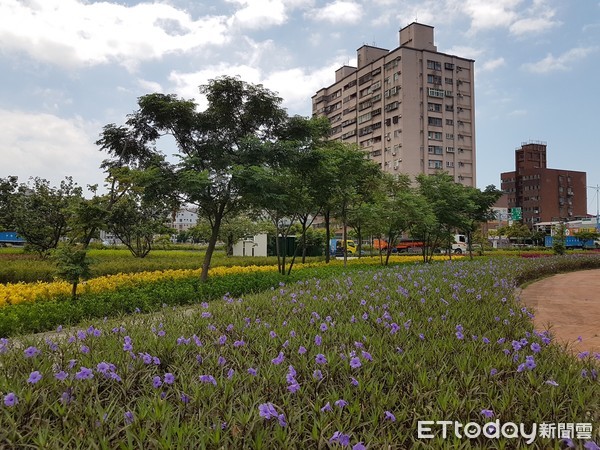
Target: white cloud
487,14
537,19
295,85
339,11
492,64
75,33
44,145
464,51
562,62
259,14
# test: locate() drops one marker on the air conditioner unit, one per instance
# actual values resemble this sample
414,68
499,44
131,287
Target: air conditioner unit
394,153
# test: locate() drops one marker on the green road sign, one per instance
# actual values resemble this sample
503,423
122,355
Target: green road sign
516,214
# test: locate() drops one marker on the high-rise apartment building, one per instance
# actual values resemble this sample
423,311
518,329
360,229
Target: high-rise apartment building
411,108
543,194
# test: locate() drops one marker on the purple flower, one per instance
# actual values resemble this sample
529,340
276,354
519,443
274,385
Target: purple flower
317,375
252,371
184,398
239,343
208,379
583,355
156,382
320,359
367,356
342,439
421,336
535,347
61,376
591,445
30,352
485,340
34,377
230,373
353,381
84,349
301,350
551,382
355,362
359,446
279,359
493,372
459,335
326,408
293,387
389,416
281,420
529,362
272,334
340,403
103,367
129,418
318,340
84,374
10,399
221,361
169,378
267,411
487,413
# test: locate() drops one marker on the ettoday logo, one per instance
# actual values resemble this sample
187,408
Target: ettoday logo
471,430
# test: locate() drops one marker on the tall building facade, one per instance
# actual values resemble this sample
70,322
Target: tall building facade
411,109
543,194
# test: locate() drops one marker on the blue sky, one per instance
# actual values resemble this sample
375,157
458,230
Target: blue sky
69,67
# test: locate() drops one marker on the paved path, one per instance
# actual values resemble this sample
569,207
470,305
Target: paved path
569,305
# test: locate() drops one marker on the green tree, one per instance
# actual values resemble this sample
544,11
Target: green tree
210,144
558,241
446,201
477,209
37,211
73,265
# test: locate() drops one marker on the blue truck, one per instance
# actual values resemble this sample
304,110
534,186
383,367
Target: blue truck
10,238
572,242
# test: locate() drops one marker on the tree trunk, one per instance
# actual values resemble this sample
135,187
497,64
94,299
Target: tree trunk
74,291
327,237
211,246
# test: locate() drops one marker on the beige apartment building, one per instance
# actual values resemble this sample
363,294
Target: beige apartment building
411,109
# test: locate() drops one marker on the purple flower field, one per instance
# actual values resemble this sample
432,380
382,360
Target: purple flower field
351,362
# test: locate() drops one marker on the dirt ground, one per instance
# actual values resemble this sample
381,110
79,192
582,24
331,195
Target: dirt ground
568,305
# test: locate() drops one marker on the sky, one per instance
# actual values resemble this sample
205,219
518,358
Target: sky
69,67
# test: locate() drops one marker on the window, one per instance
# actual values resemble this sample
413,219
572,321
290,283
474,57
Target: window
449,107
449,149
434,79
435,149
449,80
364,79
435,92
449,163
449,135
392,91
376,97
449,66
449,122
434,135
364,118
375,86
435,164
364,105
435,107
434,65
434,121
392,106
349,85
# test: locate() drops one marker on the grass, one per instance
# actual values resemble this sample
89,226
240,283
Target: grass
445,341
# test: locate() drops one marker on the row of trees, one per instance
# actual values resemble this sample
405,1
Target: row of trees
241,156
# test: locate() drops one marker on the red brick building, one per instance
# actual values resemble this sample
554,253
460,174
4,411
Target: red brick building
543,194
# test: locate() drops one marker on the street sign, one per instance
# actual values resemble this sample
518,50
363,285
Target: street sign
516,214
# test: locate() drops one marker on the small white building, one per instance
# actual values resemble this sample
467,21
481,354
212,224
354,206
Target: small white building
251,246
184,219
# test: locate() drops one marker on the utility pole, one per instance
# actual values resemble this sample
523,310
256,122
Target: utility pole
597,188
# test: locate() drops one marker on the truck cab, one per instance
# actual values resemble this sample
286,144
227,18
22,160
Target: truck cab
336,247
